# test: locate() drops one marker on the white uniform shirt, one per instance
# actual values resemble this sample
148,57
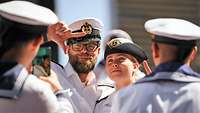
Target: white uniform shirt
31,95
83,97
104,105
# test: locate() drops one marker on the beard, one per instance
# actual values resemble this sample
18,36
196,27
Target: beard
82,67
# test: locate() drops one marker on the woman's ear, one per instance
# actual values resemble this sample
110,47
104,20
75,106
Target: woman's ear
192,55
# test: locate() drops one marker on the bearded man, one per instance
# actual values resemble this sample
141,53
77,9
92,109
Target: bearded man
77,75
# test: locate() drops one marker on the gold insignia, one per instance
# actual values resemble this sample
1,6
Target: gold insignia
114,43
86,28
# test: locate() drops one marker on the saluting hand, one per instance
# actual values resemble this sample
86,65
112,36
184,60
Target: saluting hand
60,32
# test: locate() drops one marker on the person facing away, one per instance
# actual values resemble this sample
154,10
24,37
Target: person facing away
123,59
22,26
78,73
173,87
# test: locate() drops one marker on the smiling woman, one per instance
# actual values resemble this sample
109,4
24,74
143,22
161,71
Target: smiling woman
123,60
120,68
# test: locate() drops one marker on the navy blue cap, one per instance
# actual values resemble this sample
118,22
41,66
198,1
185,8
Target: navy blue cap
122,45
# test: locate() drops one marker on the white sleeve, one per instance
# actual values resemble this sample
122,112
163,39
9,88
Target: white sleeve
46,97
62,102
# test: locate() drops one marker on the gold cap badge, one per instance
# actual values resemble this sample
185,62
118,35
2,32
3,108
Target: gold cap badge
114,43
86,28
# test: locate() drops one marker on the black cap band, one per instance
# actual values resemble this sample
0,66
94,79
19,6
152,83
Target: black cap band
166,40
184,46
8,25
13,32
95,35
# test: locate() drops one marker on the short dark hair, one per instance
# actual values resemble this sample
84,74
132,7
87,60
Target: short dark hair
16,34
183,52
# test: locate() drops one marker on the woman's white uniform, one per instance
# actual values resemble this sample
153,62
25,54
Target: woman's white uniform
104,105
30,95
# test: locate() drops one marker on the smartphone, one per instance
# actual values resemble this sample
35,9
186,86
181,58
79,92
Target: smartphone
41,63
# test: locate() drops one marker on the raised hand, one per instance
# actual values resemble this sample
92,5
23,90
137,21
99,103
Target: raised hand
59,32
52,80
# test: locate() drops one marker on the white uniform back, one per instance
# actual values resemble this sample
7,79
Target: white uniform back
33,96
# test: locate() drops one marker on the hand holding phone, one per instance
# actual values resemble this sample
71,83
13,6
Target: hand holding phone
53,81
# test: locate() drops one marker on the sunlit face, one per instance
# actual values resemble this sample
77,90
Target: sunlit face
121,67
83,56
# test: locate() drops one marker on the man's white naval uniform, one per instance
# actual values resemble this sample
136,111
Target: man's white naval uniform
24,93
104,105
84,97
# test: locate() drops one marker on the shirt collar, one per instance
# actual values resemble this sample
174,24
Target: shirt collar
174,67
12,79
9,74
71,72
185,69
